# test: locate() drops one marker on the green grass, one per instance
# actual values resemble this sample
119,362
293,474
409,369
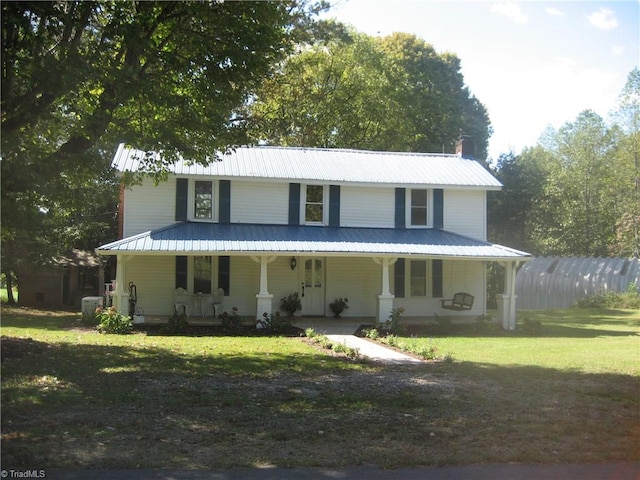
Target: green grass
72,398
4,296
582,340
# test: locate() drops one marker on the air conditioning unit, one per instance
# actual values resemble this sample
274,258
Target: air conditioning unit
89,305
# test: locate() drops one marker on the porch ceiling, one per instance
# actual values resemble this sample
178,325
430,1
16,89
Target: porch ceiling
193,238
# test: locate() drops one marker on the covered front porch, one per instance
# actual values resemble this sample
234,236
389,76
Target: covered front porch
257,265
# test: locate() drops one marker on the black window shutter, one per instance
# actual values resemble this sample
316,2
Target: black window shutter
182,198
334,205
225,201
438,208
398,278
181,271
436,278
400,208
294,204
224,273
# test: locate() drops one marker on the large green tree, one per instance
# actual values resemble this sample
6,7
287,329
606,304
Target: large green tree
79,77
355,91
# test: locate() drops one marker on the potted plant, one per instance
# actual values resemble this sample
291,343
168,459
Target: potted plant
338,306
290,304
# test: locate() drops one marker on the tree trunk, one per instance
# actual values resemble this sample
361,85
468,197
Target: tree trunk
10,299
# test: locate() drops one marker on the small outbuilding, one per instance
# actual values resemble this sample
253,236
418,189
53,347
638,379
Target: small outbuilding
558,282
63,283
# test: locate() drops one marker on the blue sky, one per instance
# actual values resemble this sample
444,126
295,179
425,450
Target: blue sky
531,63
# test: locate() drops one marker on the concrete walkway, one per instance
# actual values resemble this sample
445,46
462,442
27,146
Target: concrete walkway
342,331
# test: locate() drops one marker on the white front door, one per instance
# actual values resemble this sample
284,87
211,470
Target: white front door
312,286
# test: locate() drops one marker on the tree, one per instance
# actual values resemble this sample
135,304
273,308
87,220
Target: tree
355,91
627,118
511,210
335,94
79,77
436,103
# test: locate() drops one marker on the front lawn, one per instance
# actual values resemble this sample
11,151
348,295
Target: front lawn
73,398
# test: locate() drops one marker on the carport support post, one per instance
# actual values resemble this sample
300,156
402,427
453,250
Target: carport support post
120,294
507,300
264,299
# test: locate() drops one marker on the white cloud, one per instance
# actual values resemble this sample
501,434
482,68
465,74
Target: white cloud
603,19
509,10
554,11
617,50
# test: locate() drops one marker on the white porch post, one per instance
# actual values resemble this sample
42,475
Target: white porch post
264,299
507,300
385,299
120,294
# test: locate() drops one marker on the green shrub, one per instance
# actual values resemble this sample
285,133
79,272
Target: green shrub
310,333
443,324
275,322
338,306
111,321
484,323
290,304
628,299
371,333
176,325
392,324
231,321
531,326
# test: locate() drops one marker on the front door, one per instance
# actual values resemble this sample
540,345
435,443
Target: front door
312,286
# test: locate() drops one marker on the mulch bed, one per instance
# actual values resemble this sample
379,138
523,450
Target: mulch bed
220,331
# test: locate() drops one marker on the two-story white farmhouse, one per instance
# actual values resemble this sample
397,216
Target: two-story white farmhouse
383,229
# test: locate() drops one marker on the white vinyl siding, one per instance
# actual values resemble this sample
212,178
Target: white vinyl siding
147,206
465,213
457,276
358,279
154,278
367,207
260,202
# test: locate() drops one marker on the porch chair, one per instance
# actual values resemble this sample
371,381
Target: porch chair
218,298
181,299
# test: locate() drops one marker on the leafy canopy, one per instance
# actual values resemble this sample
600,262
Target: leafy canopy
79,77
355,91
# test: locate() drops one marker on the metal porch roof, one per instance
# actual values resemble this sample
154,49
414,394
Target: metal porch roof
206,238
339,166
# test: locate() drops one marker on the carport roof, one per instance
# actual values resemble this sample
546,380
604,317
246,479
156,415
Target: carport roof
194,238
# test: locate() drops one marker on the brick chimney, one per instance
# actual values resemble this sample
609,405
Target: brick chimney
464,147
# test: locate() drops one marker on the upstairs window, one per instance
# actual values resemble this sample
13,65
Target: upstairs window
314,204
419,208
203,205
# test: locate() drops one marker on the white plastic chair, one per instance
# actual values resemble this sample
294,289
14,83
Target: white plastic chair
181,299
218,298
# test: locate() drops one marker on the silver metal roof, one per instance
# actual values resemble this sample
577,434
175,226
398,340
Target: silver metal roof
207,238
557,282
336,166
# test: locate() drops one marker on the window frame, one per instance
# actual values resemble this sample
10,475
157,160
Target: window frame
409,208
194,272
193,197
303,204
409,277
215,274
